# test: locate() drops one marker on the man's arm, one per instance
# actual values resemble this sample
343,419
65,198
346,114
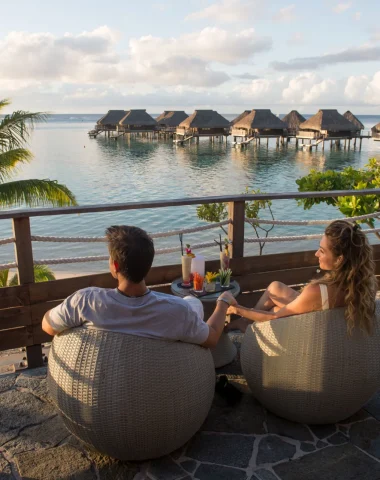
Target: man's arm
65,315
216,322
46,325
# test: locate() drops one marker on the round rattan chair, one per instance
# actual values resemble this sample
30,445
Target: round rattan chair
129,397
307,369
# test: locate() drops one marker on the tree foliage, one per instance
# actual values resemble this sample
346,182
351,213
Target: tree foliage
217,212
348,179
42,273
15,131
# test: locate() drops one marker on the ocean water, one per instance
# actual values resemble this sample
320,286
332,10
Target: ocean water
102,171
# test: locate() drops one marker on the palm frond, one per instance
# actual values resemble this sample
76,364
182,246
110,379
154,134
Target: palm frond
16,128
42,273
4,278
10,159
35,193
4,103
13,282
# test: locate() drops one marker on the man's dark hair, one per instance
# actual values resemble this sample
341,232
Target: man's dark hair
133,250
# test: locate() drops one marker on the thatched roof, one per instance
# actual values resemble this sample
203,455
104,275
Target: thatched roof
205,119
293,119
238,118
172,118
138,117
376,128
261,119
351,117
113,117
330,120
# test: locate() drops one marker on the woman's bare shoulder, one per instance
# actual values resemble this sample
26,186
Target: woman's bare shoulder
312,290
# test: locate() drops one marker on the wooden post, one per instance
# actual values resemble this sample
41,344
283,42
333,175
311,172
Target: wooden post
236,212
24,259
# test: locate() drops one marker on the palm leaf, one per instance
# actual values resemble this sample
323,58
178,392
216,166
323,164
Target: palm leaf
35,193
9,160
4,103
4,278
13,282
16,128
42,273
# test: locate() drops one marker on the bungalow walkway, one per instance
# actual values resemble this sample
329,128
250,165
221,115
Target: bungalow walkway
244,442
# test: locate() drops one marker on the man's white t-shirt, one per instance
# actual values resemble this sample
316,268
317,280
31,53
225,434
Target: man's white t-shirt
153,315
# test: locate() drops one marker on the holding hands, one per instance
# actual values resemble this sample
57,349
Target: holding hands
227,298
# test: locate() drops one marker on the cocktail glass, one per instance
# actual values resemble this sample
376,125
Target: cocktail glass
186,270
198,282
224,260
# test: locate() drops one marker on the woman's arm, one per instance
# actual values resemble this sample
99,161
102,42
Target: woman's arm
308,301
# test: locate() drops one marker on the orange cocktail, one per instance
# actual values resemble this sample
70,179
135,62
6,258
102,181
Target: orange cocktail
198,282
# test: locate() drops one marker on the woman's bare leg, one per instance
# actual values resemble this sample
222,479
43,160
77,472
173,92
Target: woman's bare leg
276,296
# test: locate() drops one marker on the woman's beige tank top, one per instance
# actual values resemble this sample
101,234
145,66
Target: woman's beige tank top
324,296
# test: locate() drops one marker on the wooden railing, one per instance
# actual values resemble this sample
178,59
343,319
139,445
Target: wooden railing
22,307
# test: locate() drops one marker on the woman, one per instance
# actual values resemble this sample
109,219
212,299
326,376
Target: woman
350,282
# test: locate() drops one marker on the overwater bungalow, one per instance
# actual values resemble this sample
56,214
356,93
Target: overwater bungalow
292,121
259,124
327,124
170,119
108,123
353,119
110,120
203,123
240,117
137,121
376,132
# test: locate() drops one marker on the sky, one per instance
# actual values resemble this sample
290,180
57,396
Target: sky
89,56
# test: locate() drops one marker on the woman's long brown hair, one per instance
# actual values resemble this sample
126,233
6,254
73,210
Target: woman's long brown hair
355,275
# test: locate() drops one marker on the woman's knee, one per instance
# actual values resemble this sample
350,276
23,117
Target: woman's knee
275,287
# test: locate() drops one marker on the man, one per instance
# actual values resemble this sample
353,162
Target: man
132,308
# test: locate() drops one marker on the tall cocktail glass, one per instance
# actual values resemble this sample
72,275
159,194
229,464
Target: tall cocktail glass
186,269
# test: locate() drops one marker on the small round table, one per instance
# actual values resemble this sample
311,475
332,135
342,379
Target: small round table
225,351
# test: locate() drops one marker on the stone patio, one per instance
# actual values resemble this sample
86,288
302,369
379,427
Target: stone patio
244,442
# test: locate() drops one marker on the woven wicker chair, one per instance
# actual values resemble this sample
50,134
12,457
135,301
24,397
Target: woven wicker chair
305,368
129,397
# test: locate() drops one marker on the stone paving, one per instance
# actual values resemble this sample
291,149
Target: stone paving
244,442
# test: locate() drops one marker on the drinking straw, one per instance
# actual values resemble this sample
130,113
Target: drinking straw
181,240
219,243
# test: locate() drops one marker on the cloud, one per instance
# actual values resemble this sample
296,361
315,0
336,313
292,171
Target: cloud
307,91
296,38
211,44
309,88
351,55
286,14
357,16
375,37
227,11
364,88
93,57
341,7
246,76
261,90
